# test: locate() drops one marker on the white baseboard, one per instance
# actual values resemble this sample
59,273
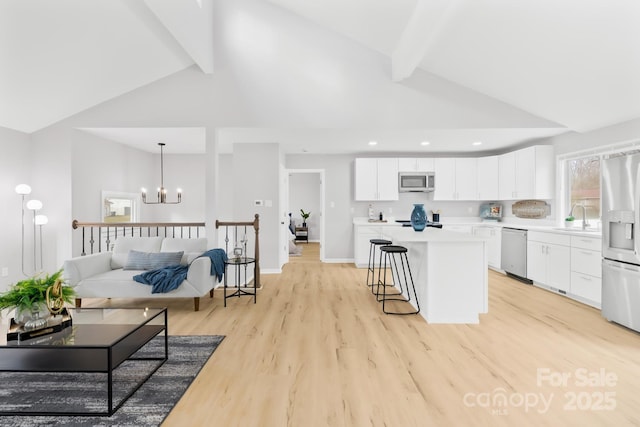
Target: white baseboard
338,260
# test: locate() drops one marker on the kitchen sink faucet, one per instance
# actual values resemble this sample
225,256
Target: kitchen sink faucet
585,223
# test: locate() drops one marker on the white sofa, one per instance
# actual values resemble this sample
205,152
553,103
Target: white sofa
101,275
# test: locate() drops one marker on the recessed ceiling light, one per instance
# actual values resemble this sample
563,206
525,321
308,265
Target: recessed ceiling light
477,143
425,143
373,142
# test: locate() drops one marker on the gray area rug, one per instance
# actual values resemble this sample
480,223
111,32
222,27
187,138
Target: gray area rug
148,406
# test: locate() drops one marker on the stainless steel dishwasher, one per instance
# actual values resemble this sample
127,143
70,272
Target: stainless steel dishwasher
514,253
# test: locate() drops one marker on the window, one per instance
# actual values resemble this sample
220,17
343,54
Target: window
583,186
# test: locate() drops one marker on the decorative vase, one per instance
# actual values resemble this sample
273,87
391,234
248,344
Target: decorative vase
418,217
35,313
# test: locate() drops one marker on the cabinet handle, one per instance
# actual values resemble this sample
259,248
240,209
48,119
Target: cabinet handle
586,253
588,279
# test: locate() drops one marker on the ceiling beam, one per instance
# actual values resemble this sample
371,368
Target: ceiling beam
422,28
190,22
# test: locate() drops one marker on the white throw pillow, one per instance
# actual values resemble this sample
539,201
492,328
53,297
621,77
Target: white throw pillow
192,248
186,245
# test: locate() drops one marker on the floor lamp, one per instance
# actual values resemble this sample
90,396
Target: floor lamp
23,190
41,220
34,205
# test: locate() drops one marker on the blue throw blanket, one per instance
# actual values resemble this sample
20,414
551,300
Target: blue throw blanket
167,279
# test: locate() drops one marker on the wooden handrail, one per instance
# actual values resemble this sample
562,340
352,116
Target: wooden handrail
76,224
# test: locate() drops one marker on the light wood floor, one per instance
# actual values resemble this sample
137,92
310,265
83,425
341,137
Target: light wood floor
316,351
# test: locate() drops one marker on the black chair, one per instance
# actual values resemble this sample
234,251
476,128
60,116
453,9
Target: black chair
374,243
391,255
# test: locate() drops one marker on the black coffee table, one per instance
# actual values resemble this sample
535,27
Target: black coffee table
99,340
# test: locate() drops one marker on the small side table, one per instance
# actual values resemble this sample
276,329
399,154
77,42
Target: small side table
240,265
302,234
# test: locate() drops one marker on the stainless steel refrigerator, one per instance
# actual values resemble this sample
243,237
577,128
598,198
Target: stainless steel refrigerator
620,245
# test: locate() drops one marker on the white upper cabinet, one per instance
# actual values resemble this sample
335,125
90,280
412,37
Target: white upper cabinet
376,179
507,176
488,178
387,179
445,170
527,174
466,178
366,179
456,179
425,164
412,164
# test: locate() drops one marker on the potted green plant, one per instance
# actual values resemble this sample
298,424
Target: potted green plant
568,221
304,215
29,296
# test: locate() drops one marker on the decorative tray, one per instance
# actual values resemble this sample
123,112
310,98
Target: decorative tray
54,324
533,209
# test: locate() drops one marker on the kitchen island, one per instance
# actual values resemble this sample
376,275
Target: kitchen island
449,271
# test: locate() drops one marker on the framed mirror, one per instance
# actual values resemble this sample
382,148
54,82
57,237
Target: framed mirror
120,207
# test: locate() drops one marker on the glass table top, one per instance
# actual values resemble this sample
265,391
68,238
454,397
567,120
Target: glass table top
91,327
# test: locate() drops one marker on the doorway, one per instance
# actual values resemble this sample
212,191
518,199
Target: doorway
306,193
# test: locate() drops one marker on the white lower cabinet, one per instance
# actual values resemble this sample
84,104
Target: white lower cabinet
568,263
586,269
587,287
362,235
548,259
493,234
468,229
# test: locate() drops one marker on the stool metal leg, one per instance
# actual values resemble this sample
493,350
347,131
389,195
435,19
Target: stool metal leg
371,264
395,272
383,282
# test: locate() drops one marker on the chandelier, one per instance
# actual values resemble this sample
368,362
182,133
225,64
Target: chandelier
162,192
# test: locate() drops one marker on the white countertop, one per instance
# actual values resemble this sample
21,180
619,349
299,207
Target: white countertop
576,231
430,234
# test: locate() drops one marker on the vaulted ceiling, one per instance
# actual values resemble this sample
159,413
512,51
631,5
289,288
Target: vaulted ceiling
540,67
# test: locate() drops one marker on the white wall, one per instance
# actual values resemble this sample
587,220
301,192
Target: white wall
256,176
338,244
304,193
573,141
185,171
101,165
225,193
15,160
251,88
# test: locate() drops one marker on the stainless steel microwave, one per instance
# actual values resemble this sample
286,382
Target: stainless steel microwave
419,182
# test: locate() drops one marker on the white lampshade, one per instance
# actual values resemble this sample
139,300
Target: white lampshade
41,219
23,189
34,205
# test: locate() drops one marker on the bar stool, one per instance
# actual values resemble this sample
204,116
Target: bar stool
374,243
391,254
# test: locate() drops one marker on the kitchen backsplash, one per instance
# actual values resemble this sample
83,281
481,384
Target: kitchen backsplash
402,208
